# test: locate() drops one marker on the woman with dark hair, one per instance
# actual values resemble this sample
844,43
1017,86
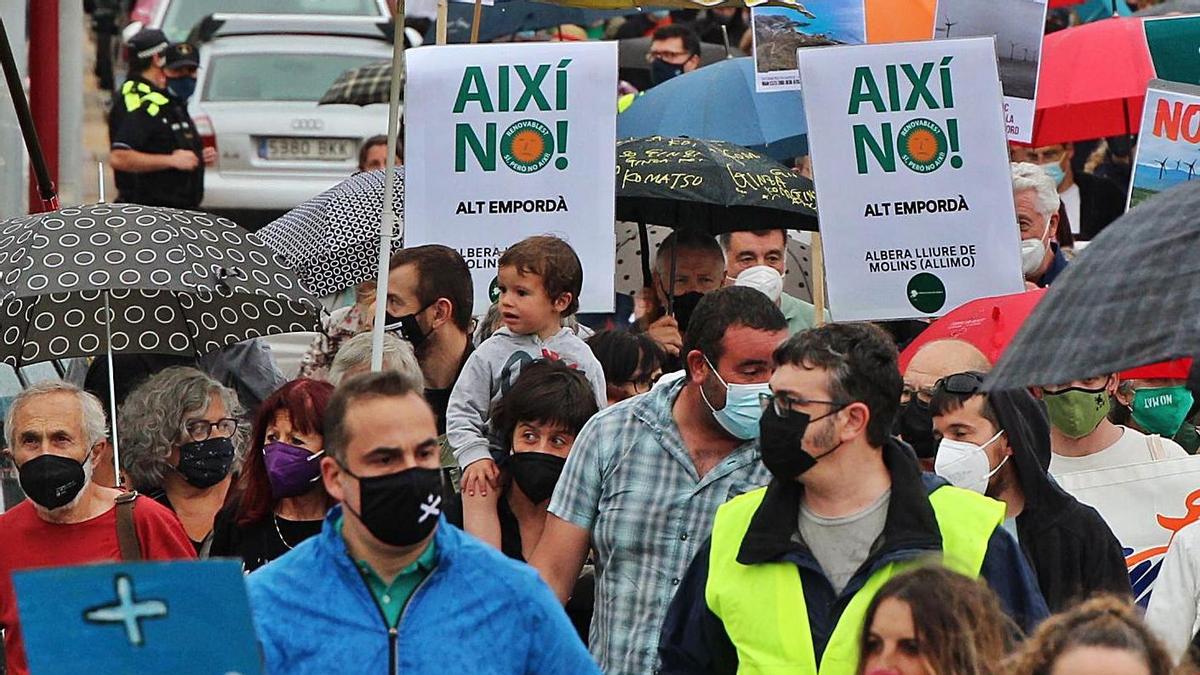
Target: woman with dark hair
1102,636
280,500
536,422
931,621
632,362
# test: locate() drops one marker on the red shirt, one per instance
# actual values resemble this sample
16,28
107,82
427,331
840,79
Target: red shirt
30,542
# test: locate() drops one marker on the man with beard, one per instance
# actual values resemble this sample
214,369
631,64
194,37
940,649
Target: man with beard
56,434
429,301
998,443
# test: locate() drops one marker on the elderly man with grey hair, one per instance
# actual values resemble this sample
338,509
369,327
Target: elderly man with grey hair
180,443
354,358
56,434
1037,217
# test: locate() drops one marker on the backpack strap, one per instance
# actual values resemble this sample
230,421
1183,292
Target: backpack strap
1157,451
127,539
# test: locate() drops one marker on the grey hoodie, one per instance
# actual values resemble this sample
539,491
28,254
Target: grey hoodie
490,372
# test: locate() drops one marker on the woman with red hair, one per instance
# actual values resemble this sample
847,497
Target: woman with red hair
280,500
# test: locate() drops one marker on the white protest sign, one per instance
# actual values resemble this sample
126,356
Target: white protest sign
911,169
507,141
1017,26
1145,505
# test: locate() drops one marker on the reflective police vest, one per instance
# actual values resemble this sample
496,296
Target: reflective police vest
137,93
762,606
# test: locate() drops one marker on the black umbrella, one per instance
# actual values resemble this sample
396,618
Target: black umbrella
714,185
113,278
635,69
363,85
1132,297
332,240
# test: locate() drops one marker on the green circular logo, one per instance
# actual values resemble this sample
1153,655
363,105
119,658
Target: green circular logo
926,292
527,146
494,289
923,146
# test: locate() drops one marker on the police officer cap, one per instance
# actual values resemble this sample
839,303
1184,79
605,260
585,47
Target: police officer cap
182,54
148,42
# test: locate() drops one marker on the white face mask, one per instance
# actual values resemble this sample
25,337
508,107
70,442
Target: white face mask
762,278
1033,252
965,464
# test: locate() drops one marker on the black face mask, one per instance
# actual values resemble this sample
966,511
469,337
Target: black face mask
52,481
536,473
915,425
205,463
400,509
408,327
683,306
661,71
781,443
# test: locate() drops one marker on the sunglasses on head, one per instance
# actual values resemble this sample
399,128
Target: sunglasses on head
961,383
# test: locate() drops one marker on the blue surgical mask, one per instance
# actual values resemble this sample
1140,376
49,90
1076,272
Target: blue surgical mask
742,410
181,88
1055,171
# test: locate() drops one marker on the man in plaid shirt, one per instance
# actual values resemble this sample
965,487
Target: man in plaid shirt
645,477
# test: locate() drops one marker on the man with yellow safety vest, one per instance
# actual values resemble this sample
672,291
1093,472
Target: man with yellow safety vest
783,584
156,154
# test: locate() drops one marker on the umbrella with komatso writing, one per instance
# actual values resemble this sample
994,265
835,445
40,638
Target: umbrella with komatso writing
1132,297
714,185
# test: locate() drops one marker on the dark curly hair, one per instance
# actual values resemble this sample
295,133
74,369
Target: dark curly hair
1105,621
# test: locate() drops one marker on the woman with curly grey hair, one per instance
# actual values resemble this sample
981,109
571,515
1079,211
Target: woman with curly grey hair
180,443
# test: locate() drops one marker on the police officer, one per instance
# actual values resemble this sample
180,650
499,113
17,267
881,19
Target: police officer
156,152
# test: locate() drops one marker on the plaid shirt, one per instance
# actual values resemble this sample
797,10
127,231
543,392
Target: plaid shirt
631,482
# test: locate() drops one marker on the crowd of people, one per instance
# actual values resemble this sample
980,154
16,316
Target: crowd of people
725,483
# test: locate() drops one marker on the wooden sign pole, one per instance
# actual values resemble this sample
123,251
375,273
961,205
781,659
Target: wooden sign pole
818,280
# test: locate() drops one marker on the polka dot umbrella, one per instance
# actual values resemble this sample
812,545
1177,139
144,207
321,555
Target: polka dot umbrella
105,278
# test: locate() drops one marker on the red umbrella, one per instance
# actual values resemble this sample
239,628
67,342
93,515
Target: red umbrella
1167,370
1055,4
987,323
1093,81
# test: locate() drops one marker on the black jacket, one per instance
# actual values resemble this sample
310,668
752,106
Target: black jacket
1100,203
1071,548
694,639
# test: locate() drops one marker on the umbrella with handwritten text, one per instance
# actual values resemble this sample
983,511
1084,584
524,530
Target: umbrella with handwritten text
714,185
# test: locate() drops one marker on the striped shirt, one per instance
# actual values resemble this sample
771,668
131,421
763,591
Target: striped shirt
631,482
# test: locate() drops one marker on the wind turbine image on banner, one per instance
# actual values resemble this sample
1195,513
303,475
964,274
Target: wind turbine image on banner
1162,166
1191,168
948,24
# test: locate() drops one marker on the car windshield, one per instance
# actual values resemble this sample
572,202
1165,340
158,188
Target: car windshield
275,77
182,15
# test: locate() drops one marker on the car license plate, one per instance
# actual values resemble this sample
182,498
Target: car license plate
293,148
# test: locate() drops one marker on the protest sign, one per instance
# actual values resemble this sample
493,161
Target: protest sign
153,617
899,20
1172,43
1145,505
1168,140
1017,26
506,141
908,146
779,31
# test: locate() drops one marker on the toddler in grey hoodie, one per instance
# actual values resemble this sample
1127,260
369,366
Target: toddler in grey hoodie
540,279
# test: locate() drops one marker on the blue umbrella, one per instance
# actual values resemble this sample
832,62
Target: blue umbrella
718,102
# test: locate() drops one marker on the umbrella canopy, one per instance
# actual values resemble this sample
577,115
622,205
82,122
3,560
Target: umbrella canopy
363,85
987,323
1175,369
710,184
332,240
718,102
178,282
1129,299
634,69
515,16
1093,81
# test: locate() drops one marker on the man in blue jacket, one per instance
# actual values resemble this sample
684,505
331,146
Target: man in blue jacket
387,587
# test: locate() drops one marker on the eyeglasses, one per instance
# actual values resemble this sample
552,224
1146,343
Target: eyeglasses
668,56
922,394
961,383
202,430
785,406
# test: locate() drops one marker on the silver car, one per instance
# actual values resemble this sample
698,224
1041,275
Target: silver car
256,104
